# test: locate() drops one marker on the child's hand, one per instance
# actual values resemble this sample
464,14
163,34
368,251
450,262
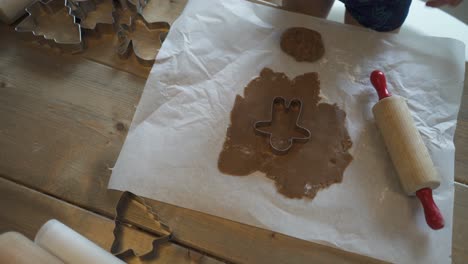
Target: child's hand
437,3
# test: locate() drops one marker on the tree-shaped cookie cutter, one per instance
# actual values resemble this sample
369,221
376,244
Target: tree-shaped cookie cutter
122,209
93,14
53,21
294,105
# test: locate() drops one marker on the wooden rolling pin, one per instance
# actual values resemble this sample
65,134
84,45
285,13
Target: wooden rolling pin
407,150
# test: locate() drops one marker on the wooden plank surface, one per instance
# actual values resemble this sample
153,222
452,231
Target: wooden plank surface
461,137
460,225
102,48
63,121
25,211
461,152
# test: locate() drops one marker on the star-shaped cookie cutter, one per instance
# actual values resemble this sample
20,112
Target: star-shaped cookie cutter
294,105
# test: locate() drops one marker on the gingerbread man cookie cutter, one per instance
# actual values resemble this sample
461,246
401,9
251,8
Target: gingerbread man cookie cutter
280,104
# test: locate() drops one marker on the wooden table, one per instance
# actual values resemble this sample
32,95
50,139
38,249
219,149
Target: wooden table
63,120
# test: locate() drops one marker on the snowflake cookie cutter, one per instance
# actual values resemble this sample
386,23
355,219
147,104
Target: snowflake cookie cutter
145,39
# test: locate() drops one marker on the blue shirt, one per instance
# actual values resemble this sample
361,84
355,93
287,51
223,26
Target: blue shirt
380,15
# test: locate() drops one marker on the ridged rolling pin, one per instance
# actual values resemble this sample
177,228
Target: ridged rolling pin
406,148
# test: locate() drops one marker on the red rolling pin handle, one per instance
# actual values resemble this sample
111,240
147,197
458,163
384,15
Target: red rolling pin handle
432,213
379,82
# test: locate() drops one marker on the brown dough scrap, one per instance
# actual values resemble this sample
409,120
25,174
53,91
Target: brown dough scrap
303,44
307,167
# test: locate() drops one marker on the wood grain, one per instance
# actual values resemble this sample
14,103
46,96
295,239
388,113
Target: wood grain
63,120
461,151
102,49
25,211
403,141
460,225
461,136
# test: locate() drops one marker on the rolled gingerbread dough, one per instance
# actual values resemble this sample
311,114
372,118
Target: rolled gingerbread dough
307,167
303,44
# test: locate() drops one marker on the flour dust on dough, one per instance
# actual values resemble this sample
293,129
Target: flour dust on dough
307,167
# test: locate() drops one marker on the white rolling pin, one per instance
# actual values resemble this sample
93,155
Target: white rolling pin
18,249
406,148
71,247
10,10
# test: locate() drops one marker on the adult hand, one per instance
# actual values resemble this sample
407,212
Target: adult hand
437,3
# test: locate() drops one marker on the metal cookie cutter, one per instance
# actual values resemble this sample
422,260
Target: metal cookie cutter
52,20
145,39
123,209
93,14
166,11
280,104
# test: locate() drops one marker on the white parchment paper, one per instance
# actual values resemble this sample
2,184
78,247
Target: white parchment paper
211,53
